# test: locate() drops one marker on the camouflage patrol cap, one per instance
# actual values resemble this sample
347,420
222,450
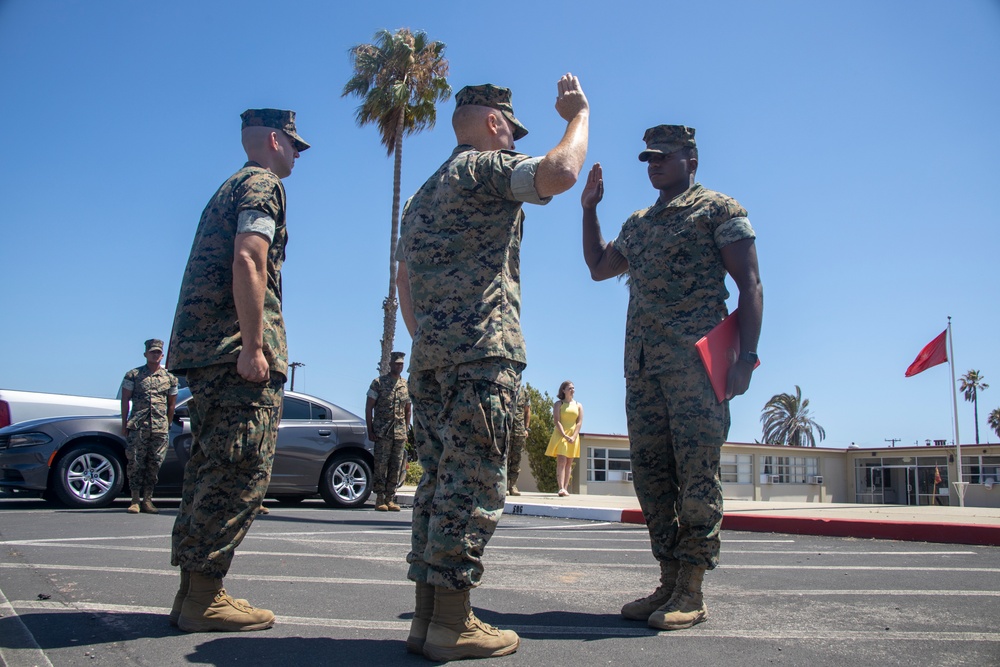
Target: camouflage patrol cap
279,119
154,344
496,97
664,139
397,356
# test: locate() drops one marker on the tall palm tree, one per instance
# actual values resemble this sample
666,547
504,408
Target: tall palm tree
994,420
971,384
787,421
399,78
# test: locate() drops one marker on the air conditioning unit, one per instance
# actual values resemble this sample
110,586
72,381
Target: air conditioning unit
765,479
816,479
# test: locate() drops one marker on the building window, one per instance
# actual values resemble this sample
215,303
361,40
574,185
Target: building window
609,465
736,468
979,469
791,469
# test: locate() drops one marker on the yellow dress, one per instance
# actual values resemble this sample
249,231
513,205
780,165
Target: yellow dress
568,414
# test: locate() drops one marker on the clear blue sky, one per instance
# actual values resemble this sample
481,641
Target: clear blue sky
861,136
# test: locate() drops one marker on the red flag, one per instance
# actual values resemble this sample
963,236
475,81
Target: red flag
934,353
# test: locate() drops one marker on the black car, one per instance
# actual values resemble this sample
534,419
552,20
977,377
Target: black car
322,449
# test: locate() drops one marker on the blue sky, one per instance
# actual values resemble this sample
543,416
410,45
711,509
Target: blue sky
862,137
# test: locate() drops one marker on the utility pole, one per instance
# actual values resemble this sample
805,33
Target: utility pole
891,440
293,366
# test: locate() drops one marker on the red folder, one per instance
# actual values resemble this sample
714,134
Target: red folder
719,349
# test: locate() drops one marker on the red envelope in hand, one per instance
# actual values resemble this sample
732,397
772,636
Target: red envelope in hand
719,349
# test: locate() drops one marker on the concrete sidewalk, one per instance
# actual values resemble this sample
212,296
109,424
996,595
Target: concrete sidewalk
951,525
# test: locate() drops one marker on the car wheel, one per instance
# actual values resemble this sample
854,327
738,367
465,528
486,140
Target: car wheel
346,481
88,475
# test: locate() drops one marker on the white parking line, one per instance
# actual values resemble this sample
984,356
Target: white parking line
402,581
703,632
19,648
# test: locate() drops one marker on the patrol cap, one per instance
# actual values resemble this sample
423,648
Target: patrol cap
664,139
397,356
154,344
279,119
496,97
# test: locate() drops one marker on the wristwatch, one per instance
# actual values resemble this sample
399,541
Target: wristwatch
749,357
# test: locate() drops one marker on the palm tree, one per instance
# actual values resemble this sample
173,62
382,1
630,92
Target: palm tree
971,384
994,420
399,79
787,421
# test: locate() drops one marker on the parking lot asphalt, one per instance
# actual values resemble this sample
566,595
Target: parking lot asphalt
924,523
93,587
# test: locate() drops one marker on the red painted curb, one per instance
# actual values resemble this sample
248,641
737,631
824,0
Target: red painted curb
907,531
633,516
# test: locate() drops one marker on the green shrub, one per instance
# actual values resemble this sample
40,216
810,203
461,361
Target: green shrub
414,472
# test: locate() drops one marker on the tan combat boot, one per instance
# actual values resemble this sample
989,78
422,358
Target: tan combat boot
686,606
380,505
207,608
393,507
147,506
175,609
421,619
639,610
134,507
455,633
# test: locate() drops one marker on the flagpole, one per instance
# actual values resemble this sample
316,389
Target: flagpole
954,402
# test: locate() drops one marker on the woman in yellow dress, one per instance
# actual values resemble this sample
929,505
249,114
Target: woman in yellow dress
564,444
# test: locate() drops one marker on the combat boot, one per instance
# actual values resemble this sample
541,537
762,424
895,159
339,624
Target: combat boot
393,507
175,609
455,633
639,610
686,606
134,507
380,505
207,608
512,491
421,619
147,507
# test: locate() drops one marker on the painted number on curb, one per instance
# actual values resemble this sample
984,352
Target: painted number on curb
517,509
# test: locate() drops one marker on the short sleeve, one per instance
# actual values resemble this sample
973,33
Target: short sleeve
734,229
261,192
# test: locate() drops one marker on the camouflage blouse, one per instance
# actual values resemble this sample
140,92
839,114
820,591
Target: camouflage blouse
677,289
461,241
206,329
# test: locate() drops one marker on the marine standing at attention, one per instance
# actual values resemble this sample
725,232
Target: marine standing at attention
229,340
152,392
677,253
387,416
460,296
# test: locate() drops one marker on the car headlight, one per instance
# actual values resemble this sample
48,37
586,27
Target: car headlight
28,439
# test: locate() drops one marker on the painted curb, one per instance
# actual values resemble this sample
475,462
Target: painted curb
907,531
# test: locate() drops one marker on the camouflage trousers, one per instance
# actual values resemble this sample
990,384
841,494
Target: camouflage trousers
145,451
462,417
514,458
676,430
235,425
388,465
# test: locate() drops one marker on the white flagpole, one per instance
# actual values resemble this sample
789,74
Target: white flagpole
954,401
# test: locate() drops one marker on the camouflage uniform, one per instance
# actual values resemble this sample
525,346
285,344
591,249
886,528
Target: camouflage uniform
148,426
677,293
234,423
461,240
517,437
391,397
